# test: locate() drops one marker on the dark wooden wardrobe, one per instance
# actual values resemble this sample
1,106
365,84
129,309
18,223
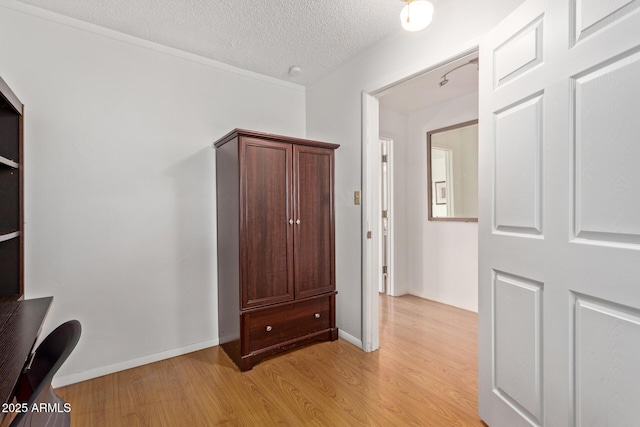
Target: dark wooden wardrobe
276,238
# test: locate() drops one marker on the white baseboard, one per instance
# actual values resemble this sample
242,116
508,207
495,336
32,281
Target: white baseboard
61,381
454,303
350,338
133,363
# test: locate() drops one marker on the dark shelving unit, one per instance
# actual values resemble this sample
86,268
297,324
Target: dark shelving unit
11,194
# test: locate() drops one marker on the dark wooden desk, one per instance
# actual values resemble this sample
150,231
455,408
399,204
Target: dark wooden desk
20,325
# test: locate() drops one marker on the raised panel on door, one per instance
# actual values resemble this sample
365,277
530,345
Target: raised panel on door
607,200
267,240
314,235
607,366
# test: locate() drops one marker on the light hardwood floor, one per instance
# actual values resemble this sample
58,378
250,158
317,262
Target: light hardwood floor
424,375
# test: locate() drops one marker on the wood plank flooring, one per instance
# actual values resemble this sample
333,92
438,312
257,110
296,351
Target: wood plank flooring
425,374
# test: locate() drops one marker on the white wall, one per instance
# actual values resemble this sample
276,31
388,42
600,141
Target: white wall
120,181
443,255
435,259
334,114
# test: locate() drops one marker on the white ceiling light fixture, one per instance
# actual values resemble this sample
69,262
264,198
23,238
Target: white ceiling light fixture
416,15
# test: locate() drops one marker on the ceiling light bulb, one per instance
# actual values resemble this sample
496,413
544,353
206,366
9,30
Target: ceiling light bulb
416,15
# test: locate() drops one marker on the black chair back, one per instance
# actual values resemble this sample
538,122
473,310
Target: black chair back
35,384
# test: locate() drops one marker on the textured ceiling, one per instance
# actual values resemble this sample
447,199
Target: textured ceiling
265,36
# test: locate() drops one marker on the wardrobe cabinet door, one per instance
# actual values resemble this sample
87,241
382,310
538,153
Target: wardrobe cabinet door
314,235
266,229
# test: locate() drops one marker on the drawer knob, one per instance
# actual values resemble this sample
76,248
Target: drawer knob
268,328
317,315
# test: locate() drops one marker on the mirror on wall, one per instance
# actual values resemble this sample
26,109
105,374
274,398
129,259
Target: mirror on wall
452,170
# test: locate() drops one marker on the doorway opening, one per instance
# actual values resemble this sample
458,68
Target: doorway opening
403,113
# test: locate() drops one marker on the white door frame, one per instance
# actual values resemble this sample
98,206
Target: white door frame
451,190
390,218
371,223
370,252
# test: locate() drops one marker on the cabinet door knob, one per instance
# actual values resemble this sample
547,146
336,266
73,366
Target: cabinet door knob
291,221
298,221
268,328
317,315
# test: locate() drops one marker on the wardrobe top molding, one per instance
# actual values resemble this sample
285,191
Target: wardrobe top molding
7,93
273,137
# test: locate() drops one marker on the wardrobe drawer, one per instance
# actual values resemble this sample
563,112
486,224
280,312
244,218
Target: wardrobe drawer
278,324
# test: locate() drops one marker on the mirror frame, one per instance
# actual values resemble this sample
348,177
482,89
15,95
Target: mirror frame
430,179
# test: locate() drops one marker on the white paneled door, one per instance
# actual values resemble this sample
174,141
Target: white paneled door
560,216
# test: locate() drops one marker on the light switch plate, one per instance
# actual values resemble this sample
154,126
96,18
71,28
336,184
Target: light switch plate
356,197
